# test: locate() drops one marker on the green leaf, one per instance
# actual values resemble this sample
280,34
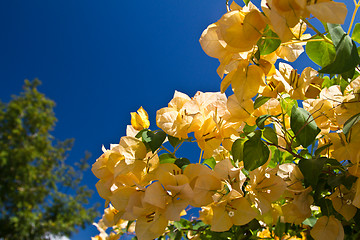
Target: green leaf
287,104
237,149
257,55
347,76
246,2
260,101
326,206
350,122
322,148
260,121
281,228
153,139
269,42
270,135
320,52
174,141
356,33
328,82
182,162
349,181
248,129
166,158
139,134
210,162
256,153
310,221
347,57
198,225
183,223
335,181
304,126
311,169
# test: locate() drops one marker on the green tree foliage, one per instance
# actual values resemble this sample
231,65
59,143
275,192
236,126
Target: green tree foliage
40,195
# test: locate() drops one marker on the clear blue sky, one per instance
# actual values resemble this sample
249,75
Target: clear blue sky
101,59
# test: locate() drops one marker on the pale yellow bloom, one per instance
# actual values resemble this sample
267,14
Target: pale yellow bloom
233,209
140,120
173,119
264,188
342,202
327,228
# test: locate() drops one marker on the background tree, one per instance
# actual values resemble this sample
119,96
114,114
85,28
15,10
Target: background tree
40,195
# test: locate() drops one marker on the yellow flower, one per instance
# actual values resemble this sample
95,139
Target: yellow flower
299,86
241,30
323,113
233,209
342,202
173,119
327,228
285,14
204,183
140,120
264,188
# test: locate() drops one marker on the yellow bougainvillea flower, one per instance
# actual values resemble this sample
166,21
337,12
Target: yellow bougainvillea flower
234,36
271,107
177,187
233,209
173,119
265,234
350,104
346,149
327,228
232,175
207,110
283,15
342,202
241,111
132,149
207,104
140,120
292,49
264,188
328,11
298,207
242,30
103,169
239,29
322,112
108,216
298,199
120,198
151,225
356,200
245,80
299,86
273,87
204,183
206,214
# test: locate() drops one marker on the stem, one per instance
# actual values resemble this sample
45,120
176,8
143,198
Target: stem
353,16
201,153
227,6
301,41
164,148
317,31
291,152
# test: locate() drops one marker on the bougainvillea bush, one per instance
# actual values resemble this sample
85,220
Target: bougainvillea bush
279,156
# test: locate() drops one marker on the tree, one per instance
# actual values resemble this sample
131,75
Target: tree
40,194
279,158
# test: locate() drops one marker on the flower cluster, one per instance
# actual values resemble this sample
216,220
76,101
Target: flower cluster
279,157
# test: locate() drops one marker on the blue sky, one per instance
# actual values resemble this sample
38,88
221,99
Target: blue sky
100,60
